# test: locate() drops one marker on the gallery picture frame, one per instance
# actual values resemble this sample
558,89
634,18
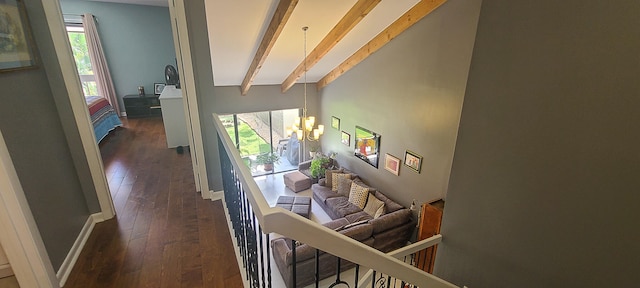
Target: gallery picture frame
17,47
345,138
158,87
335,122
392,164
413,160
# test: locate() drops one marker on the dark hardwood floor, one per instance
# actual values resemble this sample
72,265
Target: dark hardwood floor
164,234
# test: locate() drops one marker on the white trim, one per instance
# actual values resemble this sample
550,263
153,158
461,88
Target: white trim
217,195
76,249
62,47
5,270
20,236
187,82
98,217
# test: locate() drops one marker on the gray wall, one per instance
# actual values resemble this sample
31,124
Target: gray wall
32,116
227,100
410,92
544,184
137,42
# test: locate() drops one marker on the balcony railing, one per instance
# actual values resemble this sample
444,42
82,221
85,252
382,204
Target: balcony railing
252,219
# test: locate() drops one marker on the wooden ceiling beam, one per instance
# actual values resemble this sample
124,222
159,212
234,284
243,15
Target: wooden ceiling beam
417,12
279,19
348,21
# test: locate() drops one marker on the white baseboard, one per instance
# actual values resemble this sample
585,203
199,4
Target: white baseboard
5,270
76,249
98,217
218,195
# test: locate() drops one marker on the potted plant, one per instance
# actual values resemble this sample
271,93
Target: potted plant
319,166
313,150
268,159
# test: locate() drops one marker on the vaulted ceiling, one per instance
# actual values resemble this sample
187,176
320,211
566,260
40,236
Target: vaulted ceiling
262,42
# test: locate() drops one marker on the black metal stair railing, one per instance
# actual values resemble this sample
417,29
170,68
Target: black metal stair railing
252,243
248,212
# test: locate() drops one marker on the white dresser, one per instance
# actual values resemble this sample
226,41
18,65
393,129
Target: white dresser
173,116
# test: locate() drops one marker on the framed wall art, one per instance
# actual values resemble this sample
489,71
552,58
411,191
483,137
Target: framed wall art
392,164
335,123
17,49
413,160
345,138
158,87
367,146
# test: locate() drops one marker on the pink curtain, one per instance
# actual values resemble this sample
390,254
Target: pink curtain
99,63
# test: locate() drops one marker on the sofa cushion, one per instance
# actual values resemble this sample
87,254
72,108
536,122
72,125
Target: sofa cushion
374,207
328,175
341,206
390,220
337,224
322,193
389,205
393,238
358,194
344,186
336,176
358,216
359,232
282,246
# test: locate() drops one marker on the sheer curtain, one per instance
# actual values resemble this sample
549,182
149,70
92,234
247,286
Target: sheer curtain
99,63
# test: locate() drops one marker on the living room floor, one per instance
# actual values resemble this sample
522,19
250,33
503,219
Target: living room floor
272,187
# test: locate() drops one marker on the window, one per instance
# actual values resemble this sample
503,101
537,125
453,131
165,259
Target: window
259,133
83,61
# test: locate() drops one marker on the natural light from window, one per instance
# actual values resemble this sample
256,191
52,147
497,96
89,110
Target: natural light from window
83,61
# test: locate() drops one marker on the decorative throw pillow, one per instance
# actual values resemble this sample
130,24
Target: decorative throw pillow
334,180
374,207
358,195
328,175
344,186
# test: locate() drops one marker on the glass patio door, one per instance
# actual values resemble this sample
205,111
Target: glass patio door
260,134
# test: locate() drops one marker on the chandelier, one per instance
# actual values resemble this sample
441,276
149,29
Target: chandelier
304,127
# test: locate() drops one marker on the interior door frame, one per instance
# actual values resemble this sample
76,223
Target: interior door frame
58,31
185,67
20,236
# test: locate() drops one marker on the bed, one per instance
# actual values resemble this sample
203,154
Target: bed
103,117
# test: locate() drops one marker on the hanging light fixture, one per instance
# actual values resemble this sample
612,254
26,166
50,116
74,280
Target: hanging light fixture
304,126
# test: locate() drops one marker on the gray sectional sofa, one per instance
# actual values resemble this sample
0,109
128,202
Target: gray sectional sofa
387,232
